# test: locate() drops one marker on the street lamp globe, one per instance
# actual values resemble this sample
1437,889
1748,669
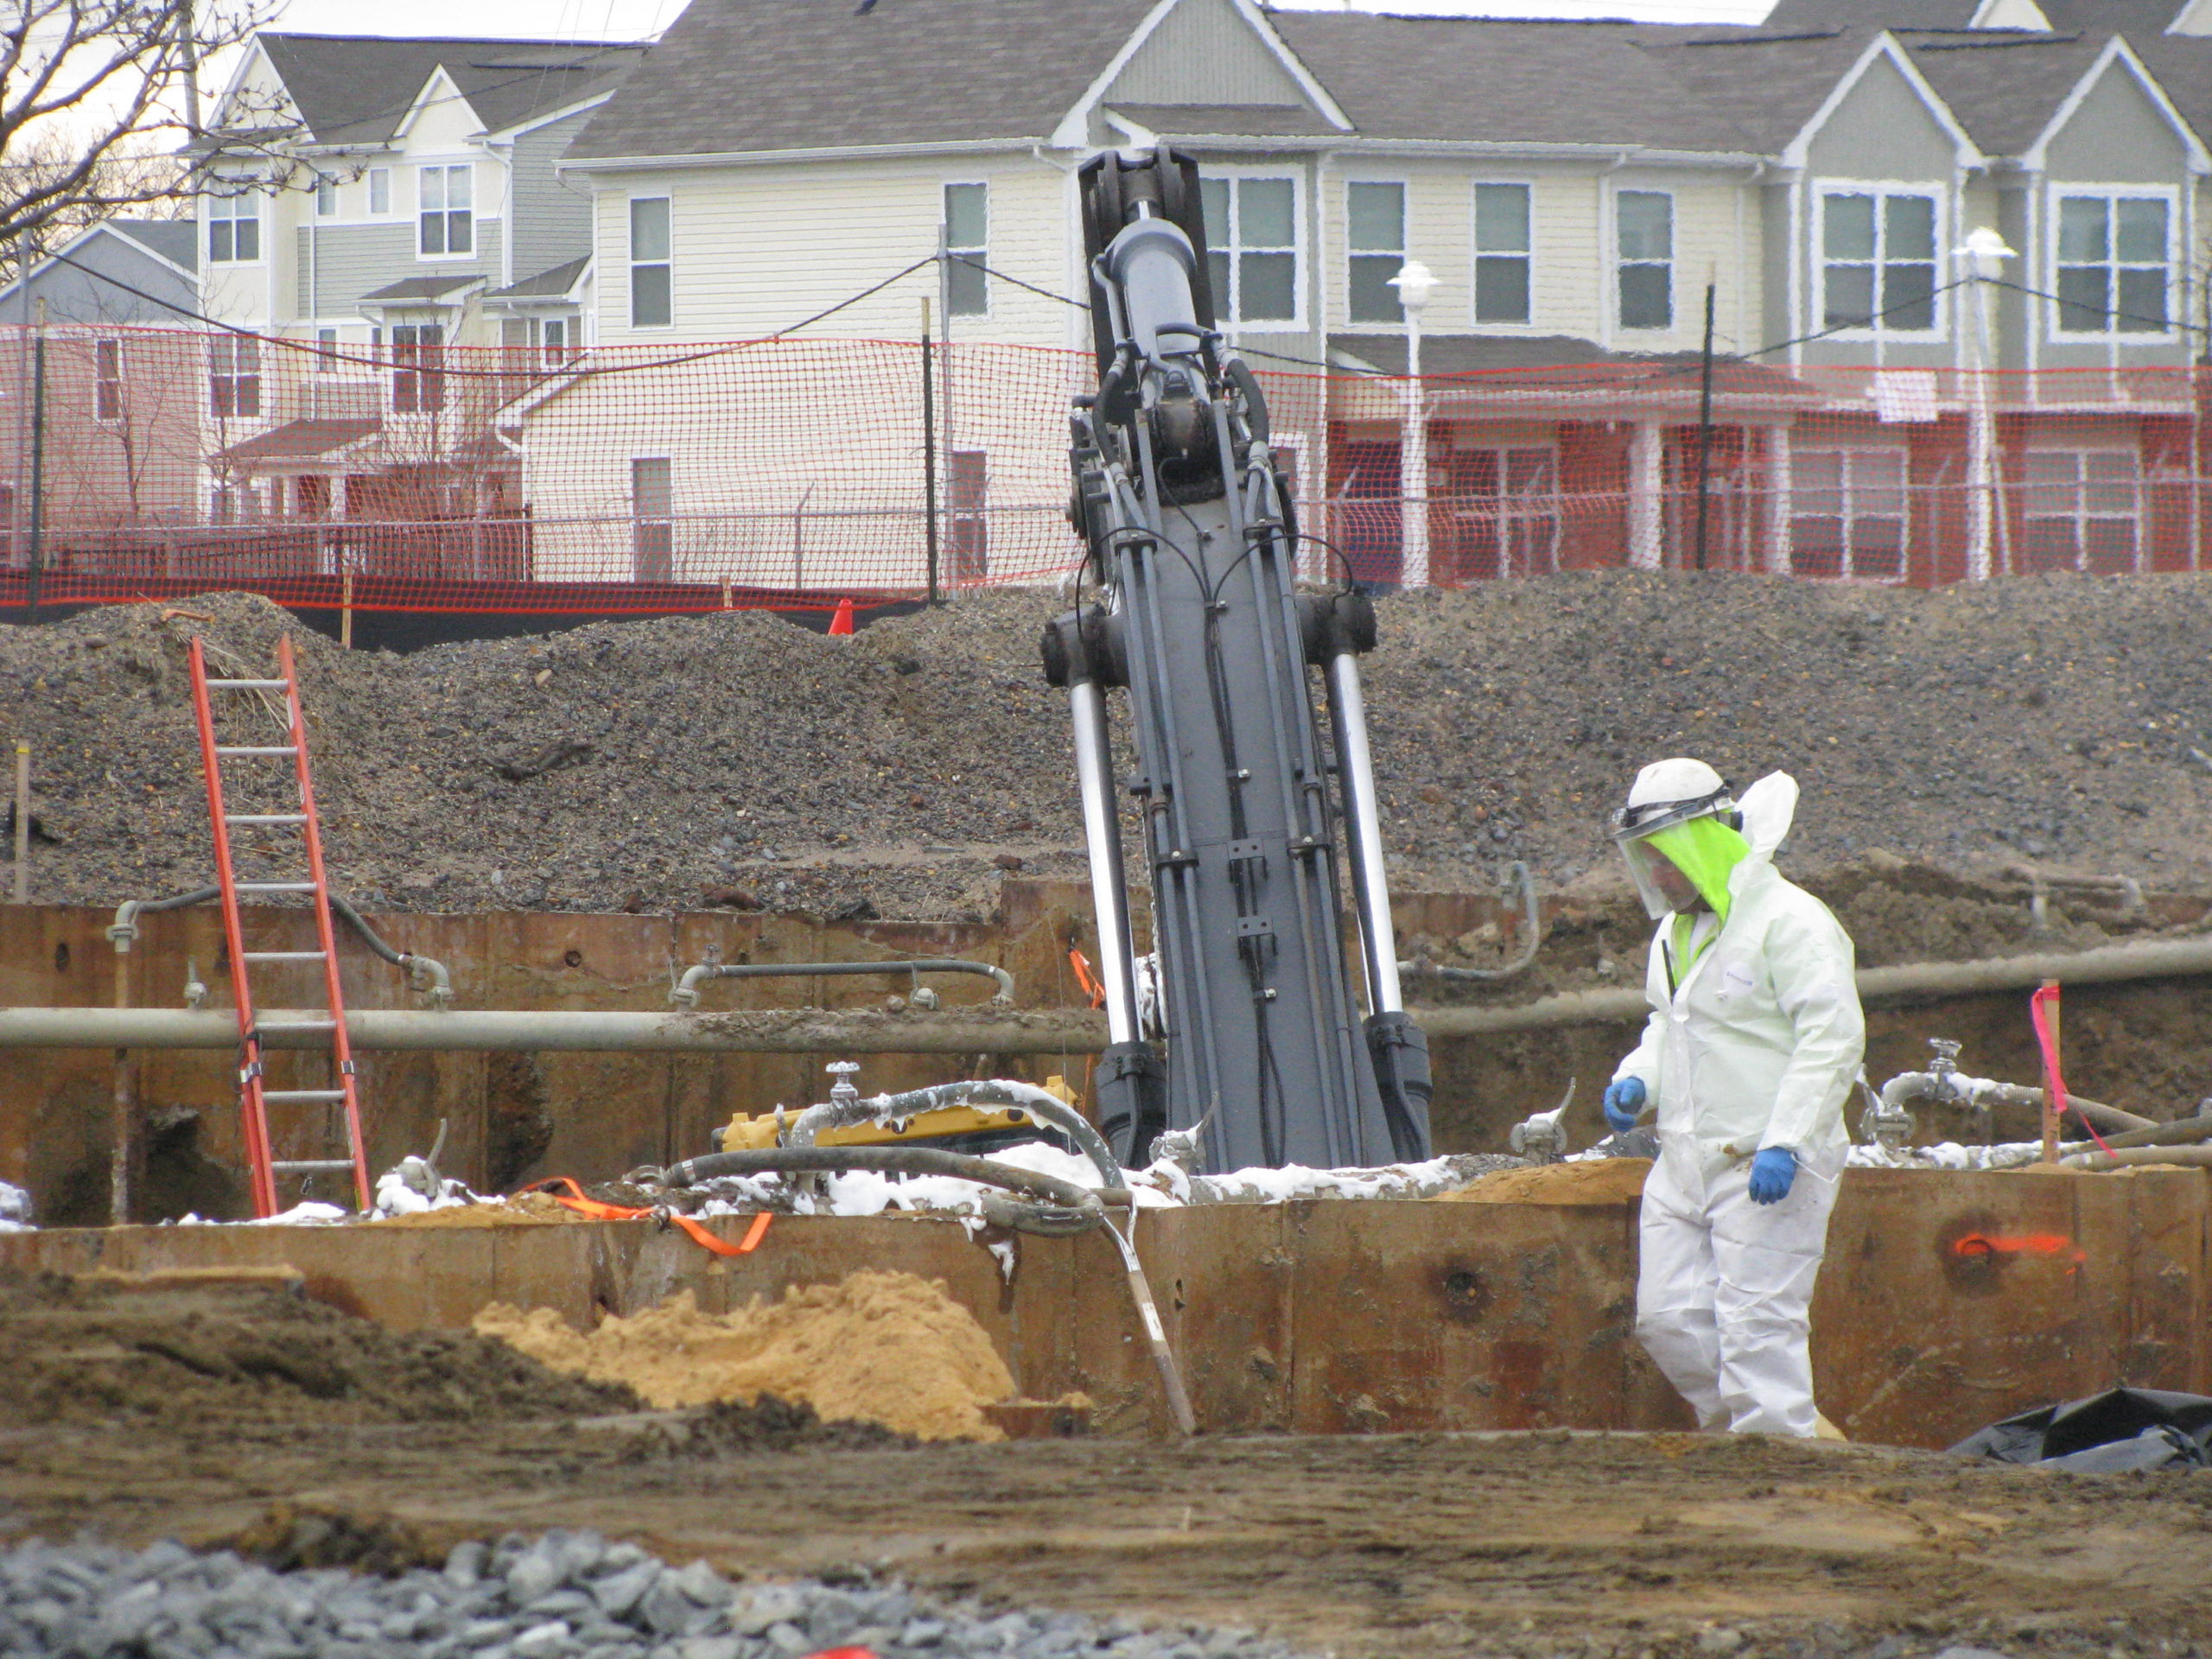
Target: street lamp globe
1415,282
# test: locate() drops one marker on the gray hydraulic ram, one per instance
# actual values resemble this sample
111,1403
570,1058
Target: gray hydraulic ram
1192,608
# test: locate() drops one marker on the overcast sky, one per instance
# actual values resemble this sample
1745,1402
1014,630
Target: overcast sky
630,19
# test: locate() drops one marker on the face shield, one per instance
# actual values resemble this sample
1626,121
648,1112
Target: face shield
1660,881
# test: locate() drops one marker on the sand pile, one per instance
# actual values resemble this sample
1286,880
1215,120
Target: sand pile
884,1348
1595,1180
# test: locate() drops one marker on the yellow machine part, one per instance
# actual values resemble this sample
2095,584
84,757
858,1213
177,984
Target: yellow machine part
746,1133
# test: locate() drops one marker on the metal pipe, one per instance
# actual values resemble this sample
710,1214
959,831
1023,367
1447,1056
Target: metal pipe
427,974
1094,771
685,994
2135,1157
1981,1093
2107,965
784,1031
1355,778
1531,934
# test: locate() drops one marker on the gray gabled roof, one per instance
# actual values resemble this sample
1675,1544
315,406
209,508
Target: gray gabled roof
2004,92
424,287
736,76
176,240
551,284
357,88
1452,78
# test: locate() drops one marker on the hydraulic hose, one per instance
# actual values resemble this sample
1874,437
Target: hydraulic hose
1531,926
123,931
996,1091
889,1161
2179,1134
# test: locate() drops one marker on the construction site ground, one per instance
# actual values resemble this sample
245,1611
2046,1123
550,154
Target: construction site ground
222,1415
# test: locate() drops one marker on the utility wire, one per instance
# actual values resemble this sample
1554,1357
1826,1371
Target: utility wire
327,355
2104,310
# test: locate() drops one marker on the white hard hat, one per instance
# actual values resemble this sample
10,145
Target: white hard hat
1671,791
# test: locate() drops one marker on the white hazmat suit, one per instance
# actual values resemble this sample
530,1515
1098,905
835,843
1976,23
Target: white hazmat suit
1756,1047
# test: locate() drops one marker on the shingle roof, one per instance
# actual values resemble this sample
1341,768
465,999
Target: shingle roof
2004,92
357,88
547,284
1510,365
425,287
176,240
1454,78
1254,120
1772,83
300,441
749,76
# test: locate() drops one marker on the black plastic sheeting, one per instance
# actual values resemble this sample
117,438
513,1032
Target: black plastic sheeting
2119,1430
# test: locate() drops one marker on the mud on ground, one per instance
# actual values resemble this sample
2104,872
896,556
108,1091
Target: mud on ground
1526,1544
740,759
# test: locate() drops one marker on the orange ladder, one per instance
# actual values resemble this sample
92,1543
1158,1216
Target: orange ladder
255,1098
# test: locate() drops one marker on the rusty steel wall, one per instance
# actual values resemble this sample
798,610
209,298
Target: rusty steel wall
1948,1299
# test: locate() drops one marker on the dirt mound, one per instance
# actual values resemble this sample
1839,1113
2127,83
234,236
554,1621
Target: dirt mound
2056,719
884,1348
81,1351
1593,1180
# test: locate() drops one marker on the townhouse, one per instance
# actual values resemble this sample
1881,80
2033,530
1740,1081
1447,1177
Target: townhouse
1949,254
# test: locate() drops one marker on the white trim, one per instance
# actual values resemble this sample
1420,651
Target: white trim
422,100
2024,14
1615,259
1478,325
1073,131
1877,331
943,220
1301,250
2055,191
630,262
508,135
475,249
2195,18
2037,156
1884,46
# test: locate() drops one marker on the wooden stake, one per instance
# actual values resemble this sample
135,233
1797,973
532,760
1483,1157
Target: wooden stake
346,613
22,820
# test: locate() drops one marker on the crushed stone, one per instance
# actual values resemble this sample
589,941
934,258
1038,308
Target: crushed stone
563,1595
882,1347
740,759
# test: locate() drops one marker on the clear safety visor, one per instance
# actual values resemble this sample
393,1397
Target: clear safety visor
1655,878
1661,886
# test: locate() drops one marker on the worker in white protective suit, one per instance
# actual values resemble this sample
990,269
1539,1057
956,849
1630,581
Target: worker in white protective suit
1754,1040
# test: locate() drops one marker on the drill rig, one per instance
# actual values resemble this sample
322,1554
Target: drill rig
1193,609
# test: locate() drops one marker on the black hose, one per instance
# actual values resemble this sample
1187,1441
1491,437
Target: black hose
889,1161
338,906
178,901
2180,1133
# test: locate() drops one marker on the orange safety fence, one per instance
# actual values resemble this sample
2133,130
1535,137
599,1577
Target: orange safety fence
798,473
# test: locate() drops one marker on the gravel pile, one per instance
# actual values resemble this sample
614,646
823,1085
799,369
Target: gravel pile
566,1593
740,760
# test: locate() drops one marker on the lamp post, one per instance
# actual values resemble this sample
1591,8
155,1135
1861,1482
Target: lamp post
1415,282
1982,257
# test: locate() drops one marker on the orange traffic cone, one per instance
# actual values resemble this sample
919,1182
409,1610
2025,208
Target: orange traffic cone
842,621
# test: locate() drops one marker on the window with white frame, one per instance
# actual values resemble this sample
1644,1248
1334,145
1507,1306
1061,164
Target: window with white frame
1644,240
379,190
556,340
2115,264
1252,244
653,519
418,379
1501,513
1375,234
446,210
652,298
1503,252
967,248
234,377
1850,512
107,380
325,198
233,227
1877,260
2084,510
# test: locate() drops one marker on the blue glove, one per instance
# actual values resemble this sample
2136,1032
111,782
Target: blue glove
1773,1172
1624,1103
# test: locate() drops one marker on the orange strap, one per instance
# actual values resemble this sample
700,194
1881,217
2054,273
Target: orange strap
700,1236
1084,977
